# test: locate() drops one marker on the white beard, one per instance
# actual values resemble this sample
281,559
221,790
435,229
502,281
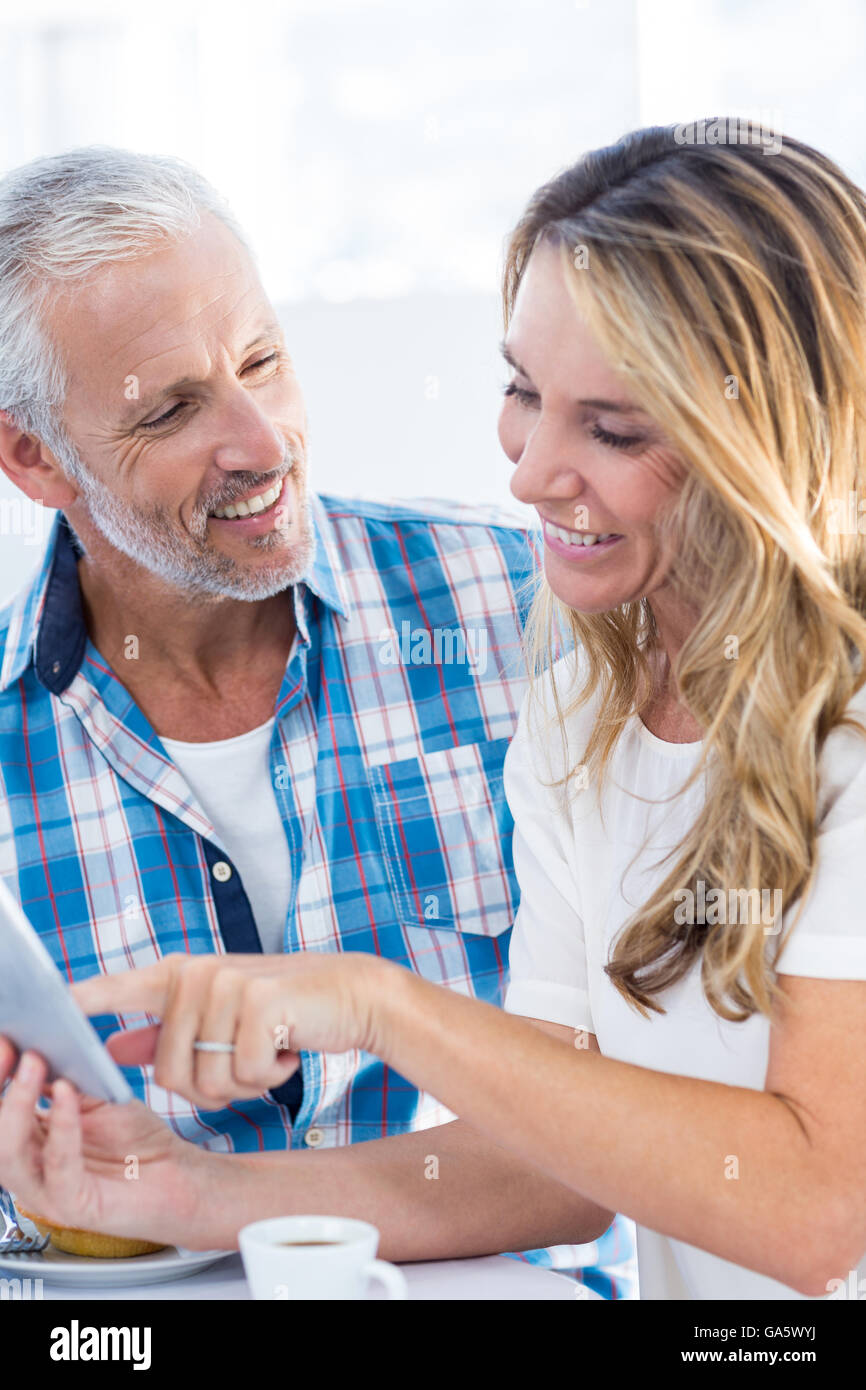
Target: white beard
188,561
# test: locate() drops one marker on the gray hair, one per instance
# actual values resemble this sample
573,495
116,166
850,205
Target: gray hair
61,218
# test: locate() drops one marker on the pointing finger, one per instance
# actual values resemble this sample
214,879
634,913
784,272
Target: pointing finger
135,1048
146,990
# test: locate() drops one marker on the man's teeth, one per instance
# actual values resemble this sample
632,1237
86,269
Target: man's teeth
577,537
259,503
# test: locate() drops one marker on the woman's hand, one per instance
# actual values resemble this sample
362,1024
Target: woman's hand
98,1167
268,1007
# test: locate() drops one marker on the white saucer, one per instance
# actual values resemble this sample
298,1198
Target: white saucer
55,1267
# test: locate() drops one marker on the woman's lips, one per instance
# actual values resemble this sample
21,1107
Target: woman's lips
576,550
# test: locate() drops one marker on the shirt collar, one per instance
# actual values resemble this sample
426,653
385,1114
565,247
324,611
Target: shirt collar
326,577
46,622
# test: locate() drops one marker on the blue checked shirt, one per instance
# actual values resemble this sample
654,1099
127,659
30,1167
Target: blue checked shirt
391,725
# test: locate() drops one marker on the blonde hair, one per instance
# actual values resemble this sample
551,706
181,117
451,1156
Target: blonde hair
728,287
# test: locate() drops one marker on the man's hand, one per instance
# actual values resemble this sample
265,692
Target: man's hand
116,1169
267,1007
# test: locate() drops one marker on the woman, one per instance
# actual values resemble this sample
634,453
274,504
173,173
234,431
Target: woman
687,337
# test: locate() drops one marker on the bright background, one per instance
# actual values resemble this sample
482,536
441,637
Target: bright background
378,152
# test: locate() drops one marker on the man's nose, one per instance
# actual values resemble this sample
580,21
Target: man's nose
248,440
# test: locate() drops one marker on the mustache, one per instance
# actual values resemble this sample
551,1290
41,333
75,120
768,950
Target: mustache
244,483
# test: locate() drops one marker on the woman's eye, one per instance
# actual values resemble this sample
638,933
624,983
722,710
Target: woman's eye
522,396
162,419
607,437
615,441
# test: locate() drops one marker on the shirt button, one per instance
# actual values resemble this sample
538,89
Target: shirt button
222,871
56,668
313,1138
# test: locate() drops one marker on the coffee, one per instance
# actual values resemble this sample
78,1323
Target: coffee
303,1244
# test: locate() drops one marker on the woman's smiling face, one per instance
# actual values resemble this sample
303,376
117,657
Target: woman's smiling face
589,461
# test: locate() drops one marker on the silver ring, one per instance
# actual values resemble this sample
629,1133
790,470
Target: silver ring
213,1047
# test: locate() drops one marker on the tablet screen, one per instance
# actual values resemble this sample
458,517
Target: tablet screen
38,1012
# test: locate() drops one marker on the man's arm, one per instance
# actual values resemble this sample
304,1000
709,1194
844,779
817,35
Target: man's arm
73,1171
474,1199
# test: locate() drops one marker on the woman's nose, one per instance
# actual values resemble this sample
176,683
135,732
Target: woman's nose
546,469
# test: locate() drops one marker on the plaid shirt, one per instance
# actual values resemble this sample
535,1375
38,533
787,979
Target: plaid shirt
390,730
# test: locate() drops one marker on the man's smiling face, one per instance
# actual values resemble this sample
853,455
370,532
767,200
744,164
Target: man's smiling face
182,402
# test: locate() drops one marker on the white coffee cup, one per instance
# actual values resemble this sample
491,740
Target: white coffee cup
315,1257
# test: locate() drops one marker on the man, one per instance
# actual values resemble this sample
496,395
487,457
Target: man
234,716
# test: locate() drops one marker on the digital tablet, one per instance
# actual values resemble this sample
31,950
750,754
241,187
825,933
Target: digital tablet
38,1012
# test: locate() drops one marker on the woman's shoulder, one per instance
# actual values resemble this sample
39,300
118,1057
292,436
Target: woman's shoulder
554,726
554,698
828,936
842,767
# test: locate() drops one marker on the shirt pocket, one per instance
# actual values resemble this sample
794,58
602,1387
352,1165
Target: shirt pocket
446,830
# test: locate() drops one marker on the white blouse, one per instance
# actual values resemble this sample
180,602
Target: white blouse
583,870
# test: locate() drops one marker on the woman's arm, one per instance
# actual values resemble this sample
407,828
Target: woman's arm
774,1179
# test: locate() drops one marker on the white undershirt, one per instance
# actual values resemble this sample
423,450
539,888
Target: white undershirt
581,876
231,779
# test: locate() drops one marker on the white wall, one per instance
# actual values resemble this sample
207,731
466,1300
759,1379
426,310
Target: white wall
378,152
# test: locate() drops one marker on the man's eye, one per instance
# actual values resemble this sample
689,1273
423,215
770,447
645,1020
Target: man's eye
170,414
162,419
262,362
522,396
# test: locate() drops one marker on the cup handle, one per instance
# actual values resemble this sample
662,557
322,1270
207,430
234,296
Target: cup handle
389,1276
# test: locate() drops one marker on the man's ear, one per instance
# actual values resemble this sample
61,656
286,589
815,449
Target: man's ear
32,467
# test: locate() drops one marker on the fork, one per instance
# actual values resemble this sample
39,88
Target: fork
13,1240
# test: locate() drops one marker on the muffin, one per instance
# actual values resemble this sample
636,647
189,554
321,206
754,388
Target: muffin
75,1242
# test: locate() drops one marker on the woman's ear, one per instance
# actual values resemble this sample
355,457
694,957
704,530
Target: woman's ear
32,467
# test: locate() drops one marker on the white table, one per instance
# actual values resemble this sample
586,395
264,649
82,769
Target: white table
491,1278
